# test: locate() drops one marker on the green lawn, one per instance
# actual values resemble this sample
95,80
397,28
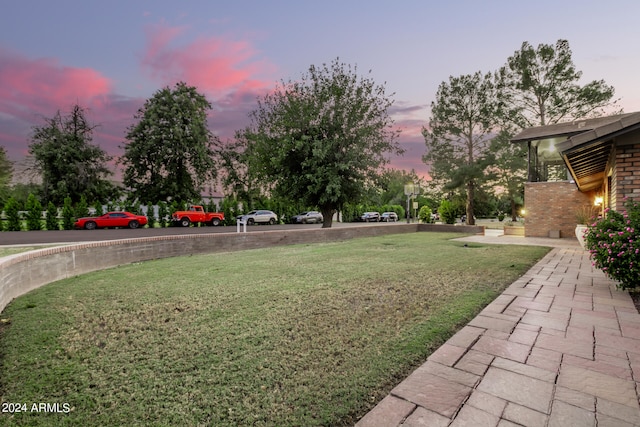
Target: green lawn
289,336
18,249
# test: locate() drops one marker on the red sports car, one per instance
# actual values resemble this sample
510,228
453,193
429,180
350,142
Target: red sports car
112,219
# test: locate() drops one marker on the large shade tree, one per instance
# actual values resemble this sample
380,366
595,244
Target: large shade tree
463,120
70,165
322,140
540,86
168,154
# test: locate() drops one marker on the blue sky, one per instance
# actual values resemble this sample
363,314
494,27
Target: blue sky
111,56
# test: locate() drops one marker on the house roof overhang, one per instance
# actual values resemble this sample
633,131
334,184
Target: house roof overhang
588,144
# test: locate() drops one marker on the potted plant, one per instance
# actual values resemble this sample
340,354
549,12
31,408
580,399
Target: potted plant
613,242
584,215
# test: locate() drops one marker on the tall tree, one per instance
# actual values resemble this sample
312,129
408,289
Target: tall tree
539,86
461,125
69,163
323,139
508,169
6,173
168,152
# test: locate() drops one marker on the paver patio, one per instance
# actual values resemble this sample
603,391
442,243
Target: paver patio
560,347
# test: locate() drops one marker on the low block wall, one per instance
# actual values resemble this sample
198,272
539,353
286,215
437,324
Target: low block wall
24,272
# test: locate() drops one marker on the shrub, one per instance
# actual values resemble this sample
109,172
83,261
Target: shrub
12,212
34,213
82,208
163,214
425,215
447,212
151,218
67,214
230,209
613,242
51,222
98,208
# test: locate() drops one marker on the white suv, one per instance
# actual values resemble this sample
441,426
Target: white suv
259,217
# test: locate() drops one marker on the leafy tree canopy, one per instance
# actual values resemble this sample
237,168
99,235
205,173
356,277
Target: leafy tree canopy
322,139
539,86
69,163
168,152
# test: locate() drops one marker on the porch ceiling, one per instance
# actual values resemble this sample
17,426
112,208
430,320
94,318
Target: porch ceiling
587,163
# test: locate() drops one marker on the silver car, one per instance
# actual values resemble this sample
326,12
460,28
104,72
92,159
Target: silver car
370,217
259,217
308,218
389,217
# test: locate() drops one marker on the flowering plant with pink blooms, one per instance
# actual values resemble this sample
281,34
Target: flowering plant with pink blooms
614,244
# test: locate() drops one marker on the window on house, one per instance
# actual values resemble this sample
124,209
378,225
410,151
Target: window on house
545,162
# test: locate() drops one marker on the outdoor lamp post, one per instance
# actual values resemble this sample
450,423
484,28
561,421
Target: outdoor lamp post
410,190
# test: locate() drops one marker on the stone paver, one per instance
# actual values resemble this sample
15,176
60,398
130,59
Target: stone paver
559,347
523,390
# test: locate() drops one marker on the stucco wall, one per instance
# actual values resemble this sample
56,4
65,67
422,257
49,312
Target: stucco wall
22,273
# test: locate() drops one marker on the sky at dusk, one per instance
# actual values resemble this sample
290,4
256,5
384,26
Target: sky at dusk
110,56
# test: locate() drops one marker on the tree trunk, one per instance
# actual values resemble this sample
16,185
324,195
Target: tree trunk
514,213
470,199
327,217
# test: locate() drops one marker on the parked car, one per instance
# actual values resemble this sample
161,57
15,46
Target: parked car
389,217
196,214
111,219
259,217
307,218
370,217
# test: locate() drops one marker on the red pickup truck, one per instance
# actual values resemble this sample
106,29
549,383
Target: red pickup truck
196,214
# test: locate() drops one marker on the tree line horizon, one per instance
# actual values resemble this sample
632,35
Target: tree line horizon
321,141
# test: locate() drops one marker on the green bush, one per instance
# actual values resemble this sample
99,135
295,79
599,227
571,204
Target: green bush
98,208
447,212
163,214
424,214
67,214
151,218
82,208
51,221
12,212
614,245
230,209
34,213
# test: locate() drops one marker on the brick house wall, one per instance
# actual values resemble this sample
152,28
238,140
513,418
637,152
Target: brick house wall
626,175
551,207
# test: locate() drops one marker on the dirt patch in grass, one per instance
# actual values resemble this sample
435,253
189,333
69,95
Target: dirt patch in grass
301,335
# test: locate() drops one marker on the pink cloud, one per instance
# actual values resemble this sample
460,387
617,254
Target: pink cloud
31,89
215,65
29,86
